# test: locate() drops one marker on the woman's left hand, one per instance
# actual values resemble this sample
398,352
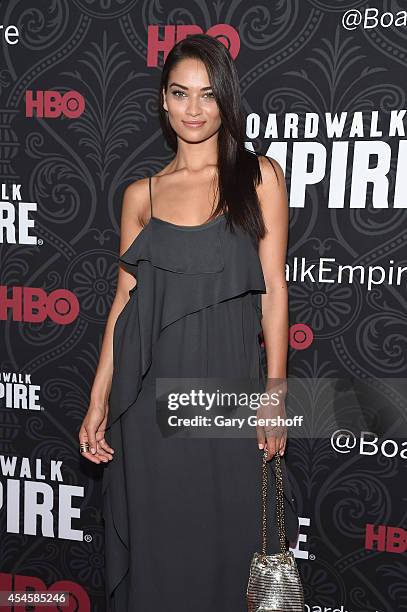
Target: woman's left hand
273,437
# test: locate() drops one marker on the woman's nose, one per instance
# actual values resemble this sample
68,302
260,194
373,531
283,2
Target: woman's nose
193,106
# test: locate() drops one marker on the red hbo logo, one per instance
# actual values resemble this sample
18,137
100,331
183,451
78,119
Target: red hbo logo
52,105
33,305
171,34
385,538
300,336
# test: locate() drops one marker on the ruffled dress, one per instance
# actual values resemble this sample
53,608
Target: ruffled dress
182,515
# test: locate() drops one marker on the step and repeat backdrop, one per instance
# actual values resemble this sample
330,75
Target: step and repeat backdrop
323,86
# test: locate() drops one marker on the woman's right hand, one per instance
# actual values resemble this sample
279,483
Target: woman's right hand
93,431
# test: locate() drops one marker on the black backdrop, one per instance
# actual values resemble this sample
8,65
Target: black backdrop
78,124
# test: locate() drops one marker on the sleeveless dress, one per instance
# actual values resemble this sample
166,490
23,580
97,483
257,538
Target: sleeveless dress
183,515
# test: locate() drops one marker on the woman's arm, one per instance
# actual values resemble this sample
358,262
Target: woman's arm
273,252
135,203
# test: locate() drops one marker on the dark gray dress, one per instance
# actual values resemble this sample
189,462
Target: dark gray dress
182,515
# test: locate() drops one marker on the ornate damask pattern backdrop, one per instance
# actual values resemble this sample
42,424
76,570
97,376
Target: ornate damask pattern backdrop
74,154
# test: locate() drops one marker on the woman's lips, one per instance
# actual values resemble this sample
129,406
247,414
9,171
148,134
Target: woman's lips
193,124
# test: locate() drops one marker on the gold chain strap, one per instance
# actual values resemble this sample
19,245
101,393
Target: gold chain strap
279,505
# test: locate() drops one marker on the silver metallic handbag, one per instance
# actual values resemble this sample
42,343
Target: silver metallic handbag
274,582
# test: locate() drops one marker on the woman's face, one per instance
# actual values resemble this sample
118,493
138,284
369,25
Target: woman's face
189,99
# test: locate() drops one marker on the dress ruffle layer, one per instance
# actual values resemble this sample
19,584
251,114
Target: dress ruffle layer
225,269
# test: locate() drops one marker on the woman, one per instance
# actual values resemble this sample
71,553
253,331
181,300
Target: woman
182,514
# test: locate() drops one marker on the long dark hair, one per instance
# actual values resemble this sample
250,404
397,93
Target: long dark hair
238,169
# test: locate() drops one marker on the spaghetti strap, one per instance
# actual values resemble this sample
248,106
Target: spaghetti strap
272,165
151,199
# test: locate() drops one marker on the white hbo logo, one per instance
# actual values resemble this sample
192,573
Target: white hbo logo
344,441
371,18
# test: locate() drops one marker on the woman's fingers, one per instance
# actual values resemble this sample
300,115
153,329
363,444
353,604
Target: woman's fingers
92,431
84,437
261,436
283,443
276,440
266,439
102,450
106,446
271,447
88,455
102,455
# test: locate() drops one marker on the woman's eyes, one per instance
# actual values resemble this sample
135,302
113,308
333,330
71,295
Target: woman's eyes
177,91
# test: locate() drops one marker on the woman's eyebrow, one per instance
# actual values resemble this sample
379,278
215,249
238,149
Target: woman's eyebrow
183,86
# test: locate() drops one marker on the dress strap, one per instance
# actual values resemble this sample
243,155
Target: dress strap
151,199
272,165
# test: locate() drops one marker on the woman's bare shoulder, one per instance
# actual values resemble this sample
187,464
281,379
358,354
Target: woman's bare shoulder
270,168
137,188
136,201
